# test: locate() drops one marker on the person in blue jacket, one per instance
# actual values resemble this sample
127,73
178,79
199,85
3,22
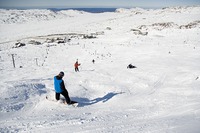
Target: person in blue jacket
60,87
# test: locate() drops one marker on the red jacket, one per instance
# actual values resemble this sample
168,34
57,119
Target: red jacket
76,65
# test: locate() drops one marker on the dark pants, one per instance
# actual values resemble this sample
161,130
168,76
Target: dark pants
76,69
65,94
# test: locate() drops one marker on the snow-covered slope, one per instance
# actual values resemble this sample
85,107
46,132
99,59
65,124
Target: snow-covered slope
23,16
161,95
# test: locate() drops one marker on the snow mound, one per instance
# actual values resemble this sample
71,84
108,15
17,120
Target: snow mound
72,12
19,96
131,10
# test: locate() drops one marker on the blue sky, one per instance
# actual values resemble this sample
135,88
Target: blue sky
96,3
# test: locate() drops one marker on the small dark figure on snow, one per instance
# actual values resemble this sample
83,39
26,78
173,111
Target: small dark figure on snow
76,66
59,87
93,61
131,66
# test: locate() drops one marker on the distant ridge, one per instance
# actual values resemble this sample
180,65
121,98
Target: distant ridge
91,10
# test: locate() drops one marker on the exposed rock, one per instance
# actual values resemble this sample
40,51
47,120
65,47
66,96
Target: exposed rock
19,44
190,25
89,36
108,28
57,40
138,32
159,26
34,42
98,33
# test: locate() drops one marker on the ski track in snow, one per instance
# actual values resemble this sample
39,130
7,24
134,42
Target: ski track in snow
161,95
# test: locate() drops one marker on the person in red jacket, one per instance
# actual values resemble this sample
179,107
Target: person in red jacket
76,66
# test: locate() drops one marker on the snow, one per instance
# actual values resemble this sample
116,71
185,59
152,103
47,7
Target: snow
161,95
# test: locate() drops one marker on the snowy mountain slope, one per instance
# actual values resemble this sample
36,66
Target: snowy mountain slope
130,20
160,95
24,16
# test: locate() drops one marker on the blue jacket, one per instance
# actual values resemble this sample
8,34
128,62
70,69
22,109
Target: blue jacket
59,84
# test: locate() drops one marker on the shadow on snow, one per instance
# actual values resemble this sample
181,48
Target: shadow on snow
86,102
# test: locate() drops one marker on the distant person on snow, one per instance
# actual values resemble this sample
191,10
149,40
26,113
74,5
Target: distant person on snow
59,87
76,66
93,61
131,66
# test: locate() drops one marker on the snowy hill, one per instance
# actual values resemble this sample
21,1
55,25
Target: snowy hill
22,16
160,95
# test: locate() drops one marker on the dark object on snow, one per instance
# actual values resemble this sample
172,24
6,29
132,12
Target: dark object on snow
35,42
73,102
93,61
61,42
131,66
138,32
76,66
108,28
19,44
89,36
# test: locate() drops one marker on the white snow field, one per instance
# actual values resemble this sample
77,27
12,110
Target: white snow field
161,95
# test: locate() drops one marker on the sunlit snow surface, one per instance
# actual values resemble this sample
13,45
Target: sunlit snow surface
161,95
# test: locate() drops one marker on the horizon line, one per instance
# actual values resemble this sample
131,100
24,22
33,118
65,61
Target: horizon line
59,7
68,7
